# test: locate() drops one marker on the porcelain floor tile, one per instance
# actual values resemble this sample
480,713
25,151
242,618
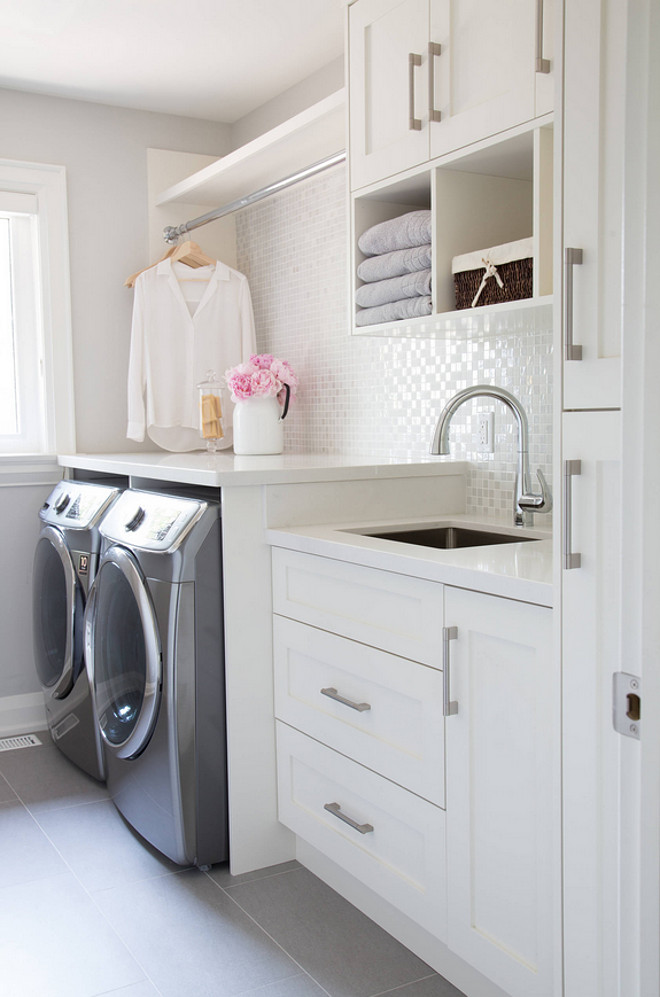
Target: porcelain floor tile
341,949
44,779
54,942
101,848
192,938
26,854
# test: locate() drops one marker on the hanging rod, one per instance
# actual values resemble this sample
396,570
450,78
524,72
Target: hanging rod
172,233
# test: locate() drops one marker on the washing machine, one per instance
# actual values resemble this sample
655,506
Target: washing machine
154,647
65,560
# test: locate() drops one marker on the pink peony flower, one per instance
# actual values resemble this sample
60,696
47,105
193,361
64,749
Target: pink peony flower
262,376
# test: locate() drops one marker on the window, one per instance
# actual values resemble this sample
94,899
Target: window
36,383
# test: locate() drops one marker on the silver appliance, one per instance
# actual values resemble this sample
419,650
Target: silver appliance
154,646
65,561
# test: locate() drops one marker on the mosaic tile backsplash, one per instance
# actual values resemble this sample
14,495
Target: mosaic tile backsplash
379,396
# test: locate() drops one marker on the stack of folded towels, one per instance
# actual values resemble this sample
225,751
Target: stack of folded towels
397,271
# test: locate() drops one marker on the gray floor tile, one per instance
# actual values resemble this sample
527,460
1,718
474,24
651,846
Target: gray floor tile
435,986
297,986
186,915
45,779
7,794
220,873
145,989
40,925
101,848
345,952
26,854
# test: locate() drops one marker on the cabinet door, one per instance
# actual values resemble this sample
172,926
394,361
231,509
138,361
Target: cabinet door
591,608
594,93
503,809
383,89
484,79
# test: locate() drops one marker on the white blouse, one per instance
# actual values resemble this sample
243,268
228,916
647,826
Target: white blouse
176,337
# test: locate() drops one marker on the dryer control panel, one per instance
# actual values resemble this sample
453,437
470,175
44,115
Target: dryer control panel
78,505
151,521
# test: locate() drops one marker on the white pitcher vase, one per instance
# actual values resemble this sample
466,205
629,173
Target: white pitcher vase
258,425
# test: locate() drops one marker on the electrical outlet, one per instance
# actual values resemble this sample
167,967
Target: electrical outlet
485,432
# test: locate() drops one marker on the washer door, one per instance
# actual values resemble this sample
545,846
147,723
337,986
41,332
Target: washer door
58,604
123,653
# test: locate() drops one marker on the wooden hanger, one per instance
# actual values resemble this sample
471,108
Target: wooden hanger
188,252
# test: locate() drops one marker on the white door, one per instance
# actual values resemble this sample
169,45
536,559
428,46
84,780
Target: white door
503,792
594,96
484,74
388,114
591,613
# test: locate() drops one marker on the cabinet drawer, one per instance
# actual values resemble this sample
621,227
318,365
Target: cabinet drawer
398,848
397,613
392,722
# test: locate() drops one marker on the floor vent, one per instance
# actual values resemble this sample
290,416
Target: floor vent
23,741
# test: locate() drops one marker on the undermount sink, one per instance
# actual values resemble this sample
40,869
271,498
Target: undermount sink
444,537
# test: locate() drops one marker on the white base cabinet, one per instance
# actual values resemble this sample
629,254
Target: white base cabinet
502,792
367,757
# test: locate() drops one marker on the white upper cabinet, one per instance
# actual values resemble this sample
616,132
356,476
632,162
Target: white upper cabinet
427,77
593,204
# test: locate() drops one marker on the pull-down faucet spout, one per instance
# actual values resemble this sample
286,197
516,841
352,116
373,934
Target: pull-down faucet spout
525,501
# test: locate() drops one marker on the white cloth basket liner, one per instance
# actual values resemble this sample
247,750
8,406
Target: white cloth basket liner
522,249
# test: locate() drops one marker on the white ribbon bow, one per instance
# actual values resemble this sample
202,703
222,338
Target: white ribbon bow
491,271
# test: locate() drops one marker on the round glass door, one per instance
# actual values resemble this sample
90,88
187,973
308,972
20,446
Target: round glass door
57,608
124,654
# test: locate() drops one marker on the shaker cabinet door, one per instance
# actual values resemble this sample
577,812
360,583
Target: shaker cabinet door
594,142
483,79
503,849
387,99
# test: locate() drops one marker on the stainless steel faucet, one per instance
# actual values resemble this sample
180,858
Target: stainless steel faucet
525,501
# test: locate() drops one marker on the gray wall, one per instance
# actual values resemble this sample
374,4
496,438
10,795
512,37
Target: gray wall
104,152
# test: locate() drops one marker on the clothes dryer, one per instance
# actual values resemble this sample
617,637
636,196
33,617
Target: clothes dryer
65,560
154,645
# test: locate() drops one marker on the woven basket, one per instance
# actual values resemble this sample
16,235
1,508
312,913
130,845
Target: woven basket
514,267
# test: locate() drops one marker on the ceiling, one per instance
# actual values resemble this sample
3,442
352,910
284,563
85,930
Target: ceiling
213,59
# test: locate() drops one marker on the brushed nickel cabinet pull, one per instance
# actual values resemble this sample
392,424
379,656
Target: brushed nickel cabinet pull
542,65
434,50
448,708
572,258
332,693
335,810
414,124
570,560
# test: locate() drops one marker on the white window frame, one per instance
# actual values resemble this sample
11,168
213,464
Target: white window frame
48,183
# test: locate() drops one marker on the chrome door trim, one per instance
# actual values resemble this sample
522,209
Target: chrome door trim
62,687
132,572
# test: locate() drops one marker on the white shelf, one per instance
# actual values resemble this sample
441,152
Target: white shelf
468,323
308,137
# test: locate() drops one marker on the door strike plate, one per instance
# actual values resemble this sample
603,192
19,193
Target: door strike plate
627,704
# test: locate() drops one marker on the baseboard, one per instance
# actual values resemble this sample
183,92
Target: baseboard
22,714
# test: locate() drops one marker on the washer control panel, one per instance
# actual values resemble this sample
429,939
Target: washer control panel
150,521
77,505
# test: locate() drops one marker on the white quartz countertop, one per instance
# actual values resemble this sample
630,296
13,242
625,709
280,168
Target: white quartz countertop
521,571
228,469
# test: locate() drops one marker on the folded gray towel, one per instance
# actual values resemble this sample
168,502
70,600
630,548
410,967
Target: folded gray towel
395,264
380,292
411,229
394,310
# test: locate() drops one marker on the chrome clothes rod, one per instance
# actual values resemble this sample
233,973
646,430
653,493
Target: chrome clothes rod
172,233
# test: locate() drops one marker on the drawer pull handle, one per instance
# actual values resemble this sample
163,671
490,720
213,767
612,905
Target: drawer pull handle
335,810
434,50
449,708
414,124
542,65
570,559
572,258
333,694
